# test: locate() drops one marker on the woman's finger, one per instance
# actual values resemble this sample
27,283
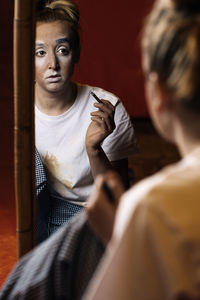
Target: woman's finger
107,119
104,123
105,106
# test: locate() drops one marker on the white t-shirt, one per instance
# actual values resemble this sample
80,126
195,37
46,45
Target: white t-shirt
60,141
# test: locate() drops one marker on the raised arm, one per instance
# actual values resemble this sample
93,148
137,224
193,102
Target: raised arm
102,126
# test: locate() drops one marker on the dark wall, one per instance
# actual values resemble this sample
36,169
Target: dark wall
6,83
111,49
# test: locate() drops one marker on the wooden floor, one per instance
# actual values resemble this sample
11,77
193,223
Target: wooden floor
7,201
7,223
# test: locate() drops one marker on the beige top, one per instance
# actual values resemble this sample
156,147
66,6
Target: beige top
155,250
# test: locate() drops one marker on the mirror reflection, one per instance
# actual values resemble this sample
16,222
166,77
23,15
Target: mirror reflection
81,130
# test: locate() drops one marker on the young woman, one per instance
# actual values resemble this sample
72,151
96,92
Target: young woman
155,247
77,136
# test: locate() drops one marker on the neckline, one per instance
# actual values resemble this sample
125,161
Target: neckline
39,112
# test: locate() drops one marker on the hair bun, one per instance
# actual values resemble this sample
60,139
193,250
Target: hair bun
187,6
40,5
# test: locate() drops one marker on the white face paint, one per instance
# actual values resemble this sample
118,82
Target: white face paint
54,61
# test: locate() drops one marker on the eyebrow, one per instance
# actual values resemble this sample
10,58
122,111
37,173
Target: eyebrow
39,44
58,41
63,40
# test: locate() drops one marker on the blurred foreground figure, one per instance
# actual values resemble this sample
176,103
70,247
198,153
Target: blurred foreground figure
154,251
59,268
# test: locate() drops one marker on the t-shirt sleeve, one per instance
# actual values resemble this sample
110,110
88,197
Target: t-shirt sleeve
122,142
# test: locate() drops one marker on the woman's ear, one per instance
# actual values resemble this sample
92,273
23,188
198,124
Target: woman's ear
155,93
160,105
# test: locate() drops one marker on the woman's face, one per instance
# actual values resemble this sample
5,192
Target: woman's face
54,62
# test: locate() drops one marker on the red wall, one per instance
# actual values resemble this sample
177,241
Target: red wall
110,57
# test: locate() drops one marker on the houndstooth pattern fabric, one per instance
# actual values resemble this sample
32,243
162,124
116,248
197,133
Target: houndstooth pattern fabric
40,174
60,268
43,200
61,212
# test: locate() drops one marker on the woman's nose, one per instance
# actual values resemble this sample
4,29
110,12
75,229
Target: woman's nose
53,62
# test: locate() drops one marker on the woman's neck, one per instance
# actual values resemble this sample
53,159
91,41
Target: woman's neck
54,104
187,140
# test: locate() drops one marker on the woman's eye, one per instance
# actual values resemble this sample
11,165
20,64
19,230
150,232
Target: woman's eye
63,51
40,53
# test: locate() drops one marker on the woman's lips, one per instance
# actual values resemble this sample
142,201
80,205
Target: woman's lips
53,78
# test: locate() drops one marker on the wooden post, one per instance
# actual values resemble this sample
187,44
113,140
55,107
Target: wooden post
24,44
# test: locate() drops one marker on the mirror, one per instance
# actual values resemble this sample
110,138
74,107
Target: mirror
109,59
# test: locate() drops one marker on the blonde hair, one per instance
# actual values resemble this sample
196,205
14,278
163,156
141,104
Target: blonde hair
171,48
61,10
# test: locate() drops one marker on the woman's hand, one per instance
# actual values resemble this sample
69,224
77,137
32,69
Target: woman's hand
102,206
101,126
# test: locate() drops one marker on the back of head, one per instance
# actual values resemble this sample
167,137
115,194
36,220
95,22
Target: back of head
171,48
61,10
